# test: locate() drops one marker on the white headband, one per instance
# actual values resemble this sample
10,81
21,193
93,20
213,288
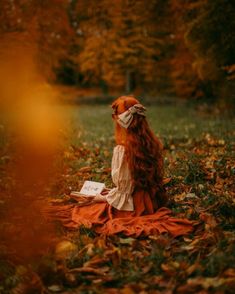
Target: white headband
125,118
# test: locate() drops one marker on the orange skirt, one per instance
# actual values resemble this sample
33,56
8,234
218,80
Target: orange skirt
105,219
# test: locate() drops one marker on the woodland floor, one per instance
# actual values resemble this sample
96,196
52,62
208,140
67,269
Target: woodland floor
199,172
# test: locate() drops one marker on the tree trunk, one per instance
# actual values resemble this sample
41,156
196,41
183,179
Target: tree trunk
130,81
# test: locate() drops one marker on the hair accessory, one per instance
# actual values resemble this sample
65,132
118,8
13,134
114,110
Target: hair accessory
125,118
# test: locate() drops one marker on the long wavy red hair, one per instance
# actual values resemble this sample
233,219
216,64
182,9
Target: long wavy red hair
143,151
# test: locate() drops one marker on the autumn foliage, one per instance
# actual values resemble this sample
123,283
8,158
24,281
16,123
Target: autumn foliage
174,47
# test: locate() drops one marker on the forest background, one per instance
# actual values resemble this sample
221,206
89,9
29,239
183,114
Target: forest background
173,48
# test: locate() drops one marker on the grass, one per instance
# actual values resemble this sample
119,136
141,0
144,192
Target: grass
199,159
92,124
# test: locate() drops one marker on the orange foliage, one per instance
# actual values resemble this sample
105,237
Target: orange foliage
44,24
183,74
118,39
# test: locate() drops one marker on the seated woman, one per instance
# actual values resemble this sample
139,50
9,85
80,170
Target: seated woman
136,206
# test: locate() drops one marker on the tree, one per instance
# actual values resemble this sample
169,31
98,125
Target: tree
184,77
212,40
120,42
41,24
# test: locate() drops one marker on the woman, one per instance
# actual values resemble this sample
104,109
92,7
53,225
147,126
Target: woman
136,206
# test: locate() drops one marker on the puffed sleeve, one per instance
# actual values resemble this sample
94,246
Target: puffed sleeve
120,197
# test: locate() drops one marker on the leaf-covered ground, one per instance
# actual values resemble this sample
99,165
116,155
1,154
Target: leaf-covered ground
199,177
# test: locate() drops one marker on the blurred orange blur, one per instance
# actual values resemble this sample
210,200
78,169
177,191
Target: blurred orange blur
28,108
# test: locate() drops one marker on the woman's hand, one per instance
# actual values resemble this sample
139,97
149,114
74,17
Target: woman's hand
99,198
105,191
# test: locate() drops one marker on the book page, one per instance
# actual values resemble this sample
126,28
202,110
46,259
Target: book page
89,188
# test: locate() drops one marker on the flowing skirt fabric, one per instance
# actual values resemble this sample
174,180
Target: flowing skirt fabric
105,219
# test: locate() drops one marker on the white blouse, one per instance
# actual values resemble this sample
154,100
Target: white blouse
120,197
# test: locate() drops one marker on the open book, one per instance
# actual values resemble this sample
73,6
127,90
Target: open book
89,189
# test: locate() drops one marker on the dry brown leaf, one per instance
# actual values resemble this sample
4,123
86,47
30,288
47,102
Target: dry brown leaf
166,181
168,269
88,270
85,169
192,268
96,261
209,219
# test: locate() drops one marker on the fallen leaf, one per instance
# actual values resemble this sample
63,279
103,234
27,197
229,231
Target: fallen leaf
166,181
55,288
85,169
88,270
